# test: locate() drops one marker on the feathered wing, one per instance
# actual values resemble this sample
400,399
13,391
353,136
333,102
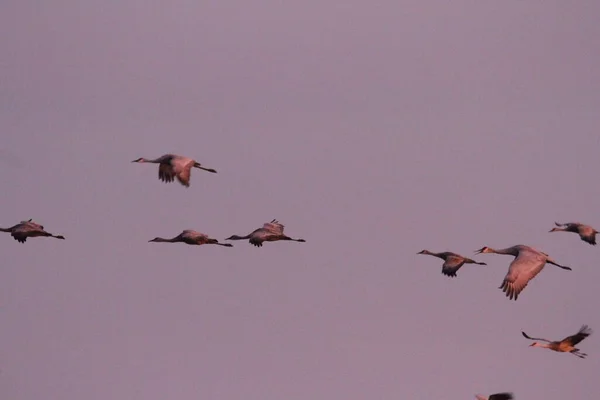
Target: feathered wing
183,176
522,269
587,234
166,173
274,227
452,264
584,332
532,338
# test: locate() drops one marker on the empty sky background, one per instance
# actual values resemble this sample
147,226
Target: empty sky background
371,129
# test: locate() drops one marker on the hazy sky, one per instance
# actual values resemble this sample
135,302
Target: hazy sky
371,129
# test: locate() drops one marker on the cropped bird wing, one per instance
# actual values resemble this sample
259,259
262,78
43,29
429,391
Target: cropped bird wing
501,396
521,270
584,332
452,264
166,173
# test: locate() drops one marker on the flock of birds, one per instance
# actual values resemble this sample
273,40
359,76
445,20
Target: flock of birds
527,263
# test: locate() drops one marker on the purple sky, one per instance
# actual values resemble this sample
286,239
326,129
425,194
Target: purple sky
373,130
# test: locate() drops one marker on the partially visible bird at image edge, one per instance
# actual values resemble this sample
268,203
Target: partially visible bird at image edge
24,229
585,232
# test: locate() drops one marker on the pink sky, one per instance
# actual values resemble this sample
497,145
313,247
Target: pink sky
371,129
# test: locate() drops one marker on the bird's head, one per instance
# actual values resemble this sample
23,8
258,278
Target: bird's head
154,240
233,237
423,252
554,230
140,160
484,250
534,344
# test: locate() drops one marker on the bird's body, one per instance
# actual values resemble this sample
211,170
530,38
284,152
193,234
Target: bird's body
497,396
585,232
172,166
452,261
567,345
189,236
270,232
25,229
527,264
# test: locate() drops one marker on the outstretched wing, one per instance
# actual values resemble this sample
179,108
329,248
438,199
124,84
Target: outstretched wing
524,268
532,338
584,332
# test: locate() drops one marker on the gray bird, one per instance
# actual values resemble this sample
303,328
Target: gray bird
452,261
567,345
527,264
270,232
585,232
497,396
189,236
173,166
25,229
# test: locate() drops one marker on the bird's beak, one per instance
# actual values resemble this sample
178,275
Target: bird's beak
479,251
531,345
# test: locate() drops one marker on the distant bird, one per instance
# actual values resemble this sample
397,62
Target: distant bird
567,345
25,229
270,232
452,261
189,236
497,396
527,264
173,166
585,232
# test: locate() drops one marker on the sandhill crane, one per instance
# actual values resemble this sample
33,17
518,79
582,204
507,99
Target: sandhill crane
497,396
452,261
527,264
270,232
173,166
189,236
25,229
567,345
586,232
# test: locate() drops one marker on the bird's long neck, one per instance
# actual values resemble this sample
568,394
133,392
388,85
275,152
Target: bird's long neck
509,250
236,237
5,230
163,240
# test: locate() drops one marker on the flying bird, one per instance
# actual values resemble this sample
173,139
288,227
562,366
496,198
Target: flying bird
567,345
172,166
527,264
270,232
25,229
497,396
452,261
189,236
585,232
